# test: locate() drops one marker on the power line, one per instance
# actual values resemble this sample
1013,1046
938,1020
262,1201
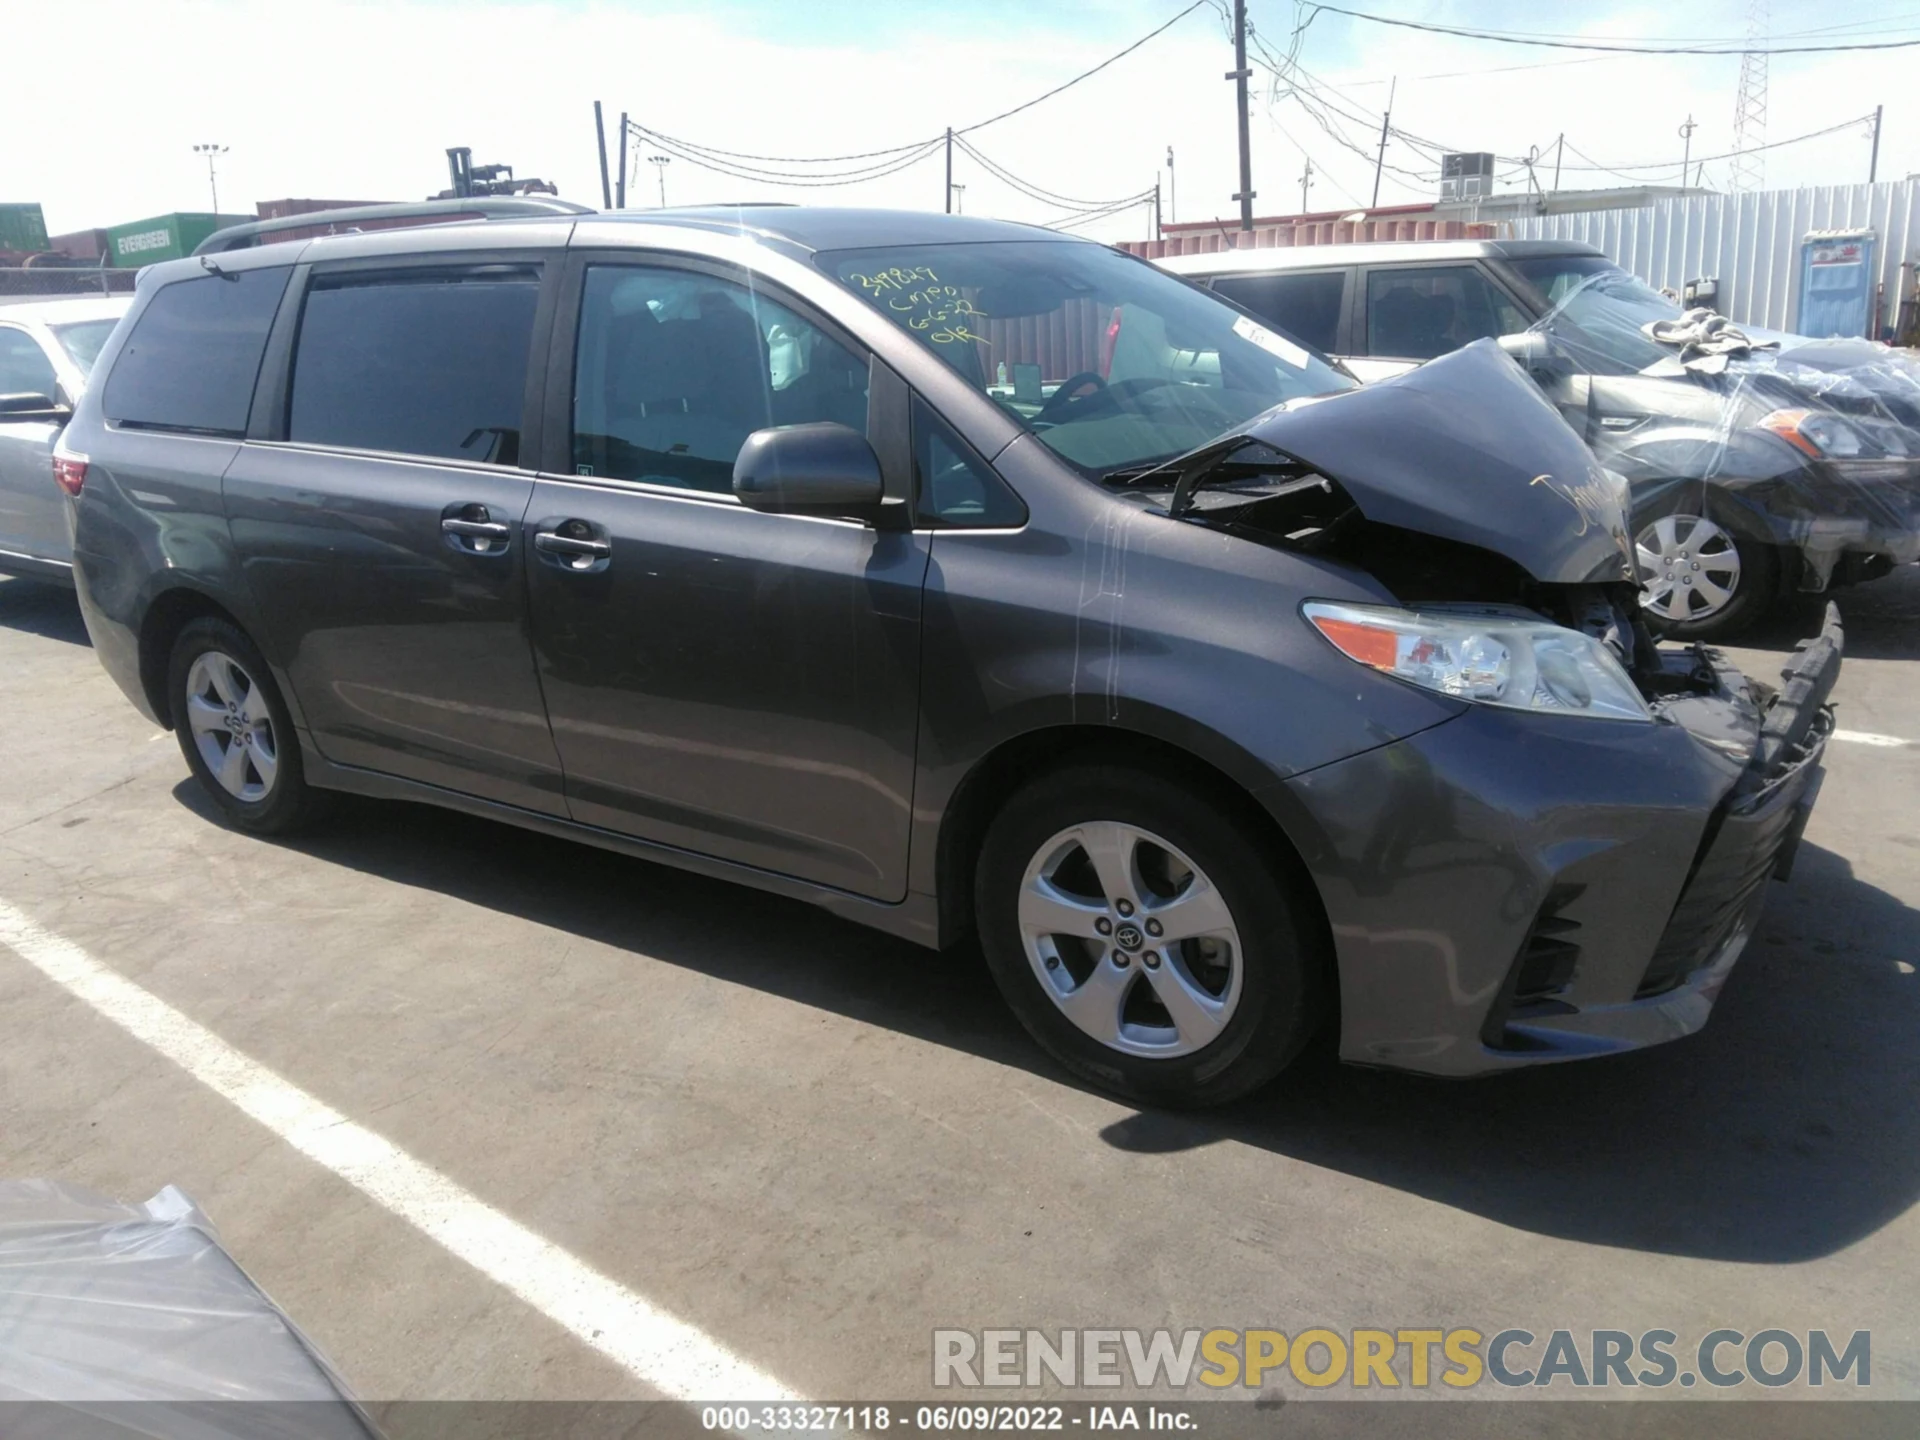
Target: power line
1621,170
1503,37
1085,74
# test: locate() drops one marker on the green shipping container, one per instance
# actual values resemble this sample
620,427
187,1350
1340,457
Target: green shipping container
23,227
164,237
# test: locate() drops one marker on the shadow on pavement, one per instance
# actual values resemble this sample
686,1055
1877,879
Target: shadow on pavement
46,610
1882,618
1783,1132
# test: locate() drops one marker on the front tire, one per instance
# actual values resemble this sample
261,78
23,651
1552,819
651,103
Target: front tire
235,730
1147,939
1701,577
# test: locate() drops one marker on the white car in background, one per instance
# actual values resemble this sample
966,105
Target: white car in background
47,348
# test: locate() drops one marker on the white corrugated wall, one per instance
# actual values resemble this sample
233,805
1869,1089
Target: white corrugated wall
1750,243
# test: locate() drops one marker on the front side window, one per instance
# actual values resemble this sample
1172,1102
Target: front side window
194,354
417,363
24,366
1305,306
952,485
1109,361
1421,314
675,369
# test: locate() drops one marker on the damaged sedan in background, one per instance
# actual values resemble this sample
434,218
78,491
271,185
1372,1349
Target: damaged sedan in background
1762,464
958,577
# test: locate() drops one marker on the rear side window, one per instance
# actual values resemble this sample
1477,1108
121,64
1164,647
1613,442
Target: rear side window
194,354
1418,314
420,363
1307,307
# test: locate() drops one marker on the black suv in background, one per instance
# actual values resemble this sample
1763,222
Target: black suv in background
957,576
1756,474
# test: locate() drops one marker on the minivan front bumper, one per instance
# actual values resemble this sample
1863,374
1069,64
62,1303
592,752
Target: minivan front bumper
1507,889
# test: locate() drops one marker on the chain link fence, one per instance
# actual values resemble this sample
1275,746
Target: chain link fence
43,282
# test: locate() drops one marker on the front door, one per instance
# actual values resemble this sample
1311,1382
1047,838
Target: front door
727,682
381,536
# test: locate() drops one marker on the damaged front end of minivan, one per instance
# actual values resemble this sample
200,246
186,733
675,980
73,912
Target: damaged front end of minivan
1573,864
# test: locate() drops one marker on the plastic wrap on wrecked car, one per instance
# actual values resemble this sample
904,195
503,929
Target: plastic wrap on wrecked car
135,1314
1811,445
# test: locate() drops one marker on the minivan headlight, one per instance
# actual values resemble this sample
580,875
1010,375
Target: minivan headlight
1486,659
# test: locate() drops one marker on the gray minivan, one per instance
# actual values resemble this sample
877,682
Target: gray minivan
960,577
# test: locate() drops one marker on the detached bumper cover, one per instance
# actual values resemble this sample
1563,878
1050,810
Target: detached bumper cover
1508,889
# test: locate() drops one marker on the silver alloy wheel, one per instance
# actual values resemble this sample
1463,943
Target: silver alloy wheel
1131,940
1689,567
232,726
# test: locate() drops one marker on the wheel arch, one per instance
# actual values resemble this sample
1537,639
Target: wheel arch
165,616
1022,758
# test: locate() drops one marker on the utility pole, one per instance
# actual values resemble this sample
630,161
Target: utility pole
1686,153
1306,183
212,151
620,185
1380,161
949,169
1156,207
660,163
1873,165
1173,212
1239,75
959,199
1559,152
600,134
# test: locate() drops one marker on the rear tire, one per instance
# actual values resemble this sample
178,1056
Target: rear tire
235,730
1148,939
1686,547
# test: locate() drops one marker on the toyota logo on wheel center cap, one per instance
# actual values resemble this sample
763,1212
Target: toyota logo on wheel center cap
1128,937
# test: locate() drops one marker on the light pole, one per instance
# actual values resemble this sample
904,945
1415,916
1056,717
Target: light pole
211,152
1172,208
660,163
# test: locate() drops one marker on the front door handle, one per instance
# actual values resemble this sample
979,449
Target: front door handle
573,545
567,545
468,528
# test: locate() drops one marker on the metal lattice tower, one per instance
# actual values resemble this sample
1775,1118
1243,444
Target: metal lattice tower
1749,166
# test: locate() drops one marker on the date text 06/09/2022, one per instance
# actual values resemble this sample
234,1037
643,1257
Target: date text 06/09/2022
930,1419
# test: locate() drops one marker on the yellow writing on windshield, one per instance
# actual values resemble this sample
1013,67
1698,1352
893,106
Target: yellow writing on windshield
920,301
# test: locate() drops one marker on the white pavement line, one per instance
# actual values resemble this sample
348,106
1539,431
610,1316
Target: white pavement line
666,1353
1867,737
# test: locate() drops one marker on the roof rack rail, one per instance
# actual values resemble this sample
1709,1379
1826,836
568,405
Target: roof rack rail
254,232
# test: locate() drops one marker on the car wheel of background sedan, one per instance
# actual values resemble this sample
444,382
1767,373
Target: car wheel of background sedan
1144,938
1700,578
235,731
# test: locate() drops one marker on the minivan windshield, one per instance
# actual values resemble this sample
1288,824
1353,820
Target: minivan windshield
1111,362
1599,311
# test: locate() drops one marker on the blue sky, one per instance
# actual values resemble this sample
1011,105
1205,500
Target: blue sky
353,99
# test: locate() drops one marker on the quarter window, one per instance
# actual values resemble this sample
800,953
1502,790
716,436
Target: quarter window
194,354
1418,314
675,369
954,486
1307,307
418,363
24,367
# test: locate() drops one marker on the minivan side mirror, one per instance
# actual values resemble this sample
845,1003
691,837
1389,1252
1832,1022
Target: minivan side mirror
822,468
33,407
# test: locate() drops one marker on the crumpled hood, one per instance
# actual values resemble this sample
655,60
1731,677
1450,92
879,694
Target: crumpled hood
1468,449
